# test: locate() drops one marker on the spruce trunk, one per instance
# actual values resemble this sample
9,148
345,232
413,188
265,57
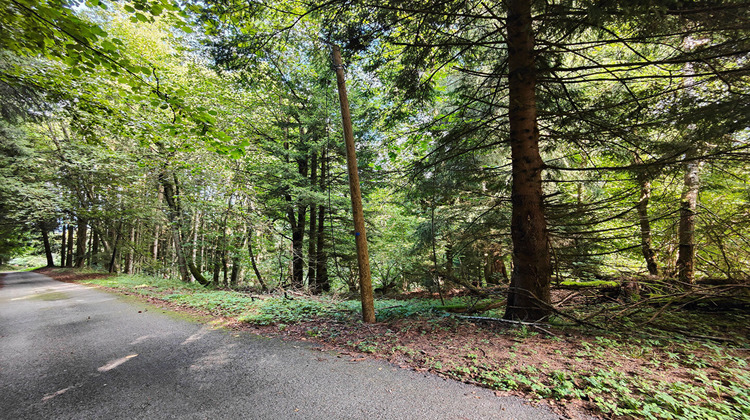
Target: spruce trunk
529,293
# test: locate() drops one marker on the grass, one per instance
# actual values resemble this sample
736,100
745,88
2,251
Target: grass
680,365
12,268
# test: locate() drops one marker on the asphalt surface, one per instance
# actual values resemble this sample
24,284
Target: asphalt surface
72,352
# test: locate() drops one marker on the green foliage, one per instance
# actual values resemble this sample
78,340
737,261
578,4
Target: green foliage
289,311
585,284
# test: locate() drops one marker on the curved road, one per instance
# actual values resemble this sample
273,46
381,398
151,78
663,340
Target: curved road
72,352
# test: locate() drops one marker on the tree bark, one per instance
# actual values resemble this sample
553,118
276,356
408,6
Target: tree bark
69,245
157,228
449,260
234,278
648,252
529,292
298,234
130,255
80,256
63,245
322,282
217,264
313,232
47,246
115,242
252,258
686,233
185,267
94,255
222,248
360,234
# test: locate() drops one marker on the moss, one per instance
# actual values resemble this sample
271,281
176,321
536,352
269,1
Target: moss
50,296
589,284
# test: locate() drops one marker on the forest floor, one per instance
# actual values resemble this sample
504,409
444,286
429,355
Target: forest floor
645,362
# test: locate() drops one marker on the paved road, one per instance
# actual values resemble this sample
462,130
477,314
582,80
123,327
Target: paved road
73,352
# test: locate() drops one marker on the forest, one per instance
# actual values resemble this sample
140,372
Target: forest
579,162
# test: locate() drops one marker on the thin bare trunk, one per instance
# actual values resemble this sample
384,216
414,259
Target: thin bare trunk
195,235
157,227
648,252
313,232
130,255
252,258
435,276
686,234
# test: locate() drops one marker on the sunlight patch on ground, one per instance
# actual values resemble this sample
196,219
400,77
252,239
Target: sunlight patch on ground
141,339
195,337
217,357
55,394
114,363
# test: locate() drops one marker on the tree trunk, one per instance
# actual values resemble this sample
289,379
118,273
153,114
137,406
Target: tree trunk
94,256
113,259
63,245
252,258
648,253
238,243
529,292
47,246
186,268
130,255
298,234
90,247
195,228
449,259
202,254
322,282
225,265
157,227
69,245
313,232
80,256
500,265
234,278
686,233
217,265
173,213
180,255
